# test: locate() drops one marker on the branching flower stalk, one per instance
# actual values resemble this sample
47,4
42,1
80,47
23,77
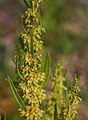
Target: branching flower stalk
32,73
33,95
72,99
62,100
28,60
57,92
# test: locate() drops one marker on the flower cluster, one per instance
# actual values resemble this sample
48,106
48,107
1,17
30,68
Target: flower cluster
73,99
32,74
57,91
62,100
30,65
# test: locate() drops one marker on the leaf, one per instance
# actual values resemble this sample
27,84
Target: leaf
67,100
27,3
20,40
21,43
19,71
22,24
16,94
55,111
47,69
43,61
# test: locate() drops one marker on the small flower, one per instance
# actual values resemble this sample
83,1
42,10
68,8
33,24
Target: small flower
57,91
30,64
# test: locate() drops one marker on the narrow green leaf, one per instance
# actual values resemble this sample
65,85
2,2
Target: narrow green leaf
55,111
43,61
19,71
16,94
27,3
67,100
65,72
47,69
21,20
20,40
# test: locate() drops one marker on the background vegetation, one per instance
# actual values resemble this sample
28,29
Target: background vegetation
66,22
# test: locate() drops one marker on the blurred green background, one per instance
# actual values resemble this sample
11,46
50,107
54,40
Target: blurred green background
66,23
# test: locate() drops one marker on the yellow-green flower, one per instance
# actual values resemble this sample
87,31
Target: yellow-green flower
32,73
30,61
57,91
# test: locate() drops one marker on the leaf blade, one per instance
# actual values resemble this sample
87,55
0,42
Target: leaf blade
16,94
43,61
47,70
19,71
